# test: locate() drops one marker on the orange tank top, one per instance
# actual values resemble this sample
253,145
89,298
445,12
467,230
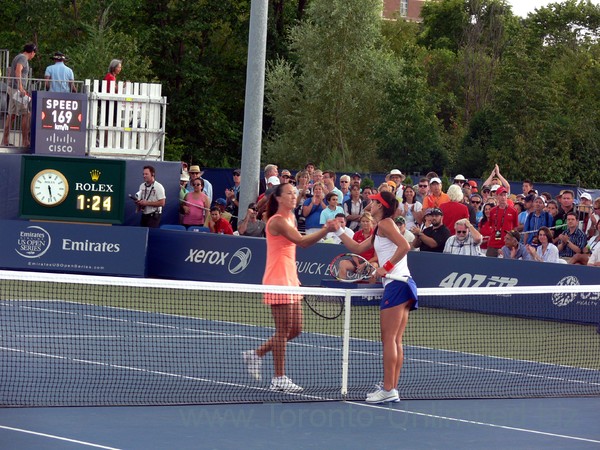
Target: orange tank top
280,268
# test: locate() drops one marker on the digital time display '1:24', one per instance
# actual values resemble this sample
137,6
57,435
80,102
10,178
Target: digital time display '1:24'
94,203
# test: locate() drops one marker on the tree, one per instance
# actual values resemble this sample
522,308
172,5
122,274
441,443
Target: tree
325,100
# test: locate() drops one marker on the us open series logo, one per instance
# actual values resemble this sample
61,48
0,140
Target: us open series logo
33,242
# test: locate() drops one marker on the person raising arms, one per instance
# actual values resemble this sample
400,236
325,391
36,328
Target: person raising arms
399,297
280,270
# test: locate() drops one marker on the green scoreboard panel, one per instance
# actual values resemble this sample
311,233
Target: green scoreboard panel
72,189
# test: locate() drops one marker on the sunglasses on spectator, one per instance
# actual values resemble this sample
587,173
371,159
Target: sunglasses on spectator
197,184
461,231
344,181
475,202
423,185
285,176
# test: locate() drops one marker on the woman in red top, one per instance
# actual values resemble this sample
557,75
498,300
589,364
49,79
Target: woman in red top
485,225
365,232
114,69
280,270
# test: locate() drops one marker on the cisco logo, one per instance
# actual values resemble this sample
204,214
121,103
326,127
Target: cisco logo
240,260
33,242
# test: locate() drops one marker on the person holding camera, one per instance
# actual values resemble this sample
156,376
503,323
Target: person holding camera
251,226
503,218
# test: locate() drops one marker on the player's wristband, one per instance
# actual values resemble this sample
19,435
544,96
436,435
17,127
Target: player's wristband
388,266
339,232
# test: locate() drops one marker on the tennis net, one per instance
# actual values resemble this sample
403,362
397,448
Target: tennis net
71,340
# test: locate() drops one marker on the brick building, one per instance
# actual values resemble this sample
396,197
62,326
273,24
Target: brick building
407,9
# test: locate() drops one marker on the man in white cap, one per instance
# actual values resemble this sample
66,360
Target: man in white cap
460,180
436,197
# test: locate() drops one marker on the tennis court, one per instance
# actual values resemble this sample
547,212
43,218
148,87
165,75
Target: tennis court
92,341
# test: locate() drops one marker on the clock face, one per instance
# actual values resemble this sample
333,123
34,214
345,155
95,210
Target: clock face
49,187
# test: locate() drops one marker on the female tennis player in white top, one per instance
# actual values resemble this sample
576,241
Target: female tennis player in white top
399,297
282,239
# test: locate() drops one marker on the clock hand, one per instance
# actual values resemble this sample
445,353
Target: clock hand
50,191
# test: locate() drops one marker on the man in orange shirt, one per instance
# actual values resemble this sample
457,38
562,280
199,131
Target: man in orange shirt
436,197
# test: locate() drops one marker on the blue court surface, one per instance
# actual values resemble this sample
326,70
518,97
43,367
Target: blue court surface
567,423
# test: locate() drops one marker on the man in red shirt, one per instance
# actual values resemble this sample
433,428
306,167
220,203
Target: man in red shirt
217,223
503,218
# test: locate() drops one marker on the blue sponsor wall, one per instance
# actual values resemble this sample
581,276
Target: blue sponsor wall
67,248
183,255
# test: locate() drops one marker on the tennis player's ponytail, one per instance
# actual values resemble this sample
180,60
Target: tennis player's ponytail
388,211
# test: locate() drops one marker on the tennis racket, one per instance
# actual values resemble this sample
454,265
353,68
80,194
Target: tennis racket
352,268
325,306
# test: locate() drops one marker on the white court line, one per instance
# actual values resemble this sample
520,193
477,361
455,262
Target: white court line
60,438
474,422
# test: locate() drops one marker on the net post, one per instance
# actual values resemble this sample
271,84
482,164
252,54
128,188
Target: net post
346,342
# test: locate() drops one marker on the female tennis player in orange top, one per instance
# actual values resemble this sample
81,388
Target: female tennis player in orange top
282,239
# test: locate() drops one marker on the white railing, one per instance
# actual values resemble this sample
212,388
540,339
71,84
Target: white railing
127,122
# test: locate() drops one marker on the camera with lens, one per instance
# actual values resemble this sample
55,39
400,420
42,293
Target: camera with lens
498,235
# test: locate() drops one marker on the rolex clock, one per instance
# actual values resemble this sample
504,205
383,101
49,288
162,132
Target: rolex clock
72,189
49,187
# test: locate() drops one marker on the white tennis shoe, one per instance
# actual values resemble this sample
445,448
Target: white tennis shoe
383,396
253,363
284,384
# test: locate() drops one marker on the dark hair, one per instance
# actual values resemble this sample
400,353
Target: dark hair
547,232
571,213
340,215
215,208
30,47
331,174
329,195
391,201
404,194
528,181
484,218
272,203
151,169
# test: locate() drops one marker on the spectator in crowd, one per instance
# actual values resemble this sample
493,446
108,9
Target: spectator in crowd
547,196
367,225
485,194
594,259
527,209
353,208
317,177
433,238
271,170
332,209
536,219
584,211
184,179
455,209
466,190
303,192
409,208
552,208
345,188
312,208
406,233
528,187
250,225
232,195
476,202
566,205
545,250
285,177
59,77
496,178
356,178
196,173
422,190
436,197
194,205
18,97
221,203
263,199
572,240
592,243
485,225
460,180
332,237
466,240
594,218
310,168
329,183
503,218
218,224
150,199
397,177
513,249
365,195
